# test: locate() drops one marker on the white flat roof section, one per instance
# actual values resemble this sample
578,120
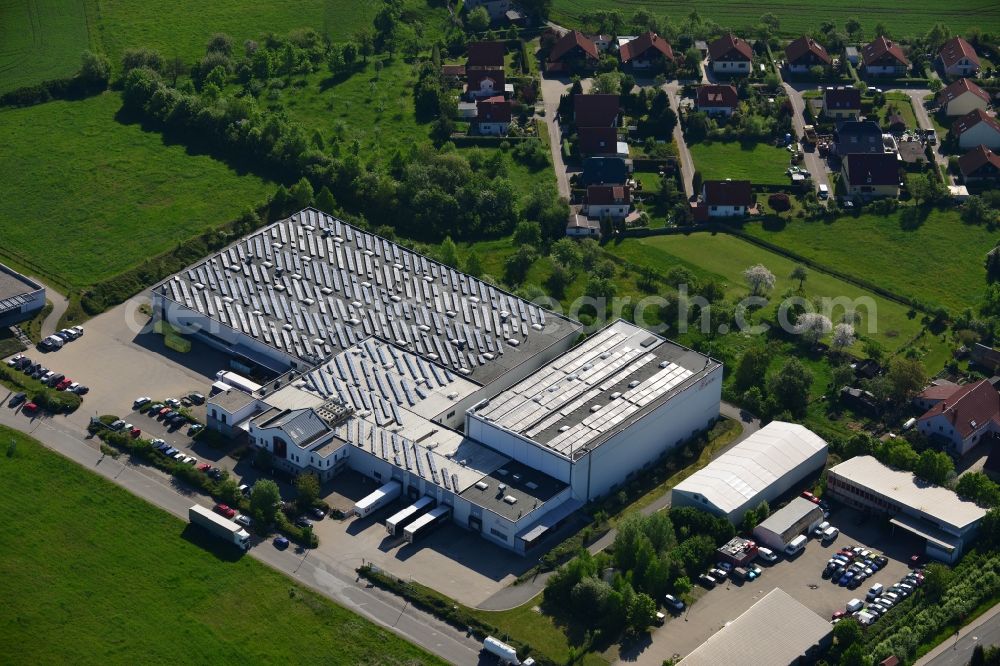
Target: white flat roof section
750,467
311,285
777,630
905,489
598,388
783,519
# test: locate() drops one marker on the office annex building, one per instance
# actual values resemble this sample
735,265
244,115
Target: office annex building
386,362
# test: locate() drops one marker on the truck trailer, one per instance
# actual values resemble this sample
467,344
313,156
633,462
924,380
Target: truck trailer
221,527
426,523
378,499
238,382
395,524
504,653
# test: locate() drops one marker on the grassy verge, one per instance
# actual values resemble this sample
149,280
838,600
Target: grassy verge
101,573
949,631
44,396
33,327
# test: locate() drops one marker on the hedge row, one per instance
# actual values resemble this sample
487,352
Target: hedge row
44,396
70,88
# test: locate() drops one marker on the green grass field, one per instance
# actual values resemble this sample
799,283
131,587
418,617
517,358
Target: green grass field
106,578
760,163
86,197
40,40
798,16
724,258
939,262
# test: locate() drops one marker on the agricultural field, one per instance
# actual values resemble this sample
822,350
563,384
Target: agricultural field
760,163
939,262
91,196
798,16
76,571
41,40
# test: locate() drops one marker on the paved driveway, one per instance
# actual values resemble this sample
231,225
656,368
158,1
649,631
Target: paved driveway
813,162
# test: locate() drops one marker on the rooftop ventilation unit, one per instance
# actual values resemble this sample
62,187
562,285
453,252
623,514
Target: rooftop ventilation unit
510,499
482,485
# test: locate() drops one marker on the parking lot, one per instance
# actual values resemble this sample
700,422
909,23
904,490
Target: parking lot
800,577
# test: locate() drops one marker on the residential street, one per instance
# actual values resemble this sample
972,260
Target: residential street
985,631
686,163
812,161
552,90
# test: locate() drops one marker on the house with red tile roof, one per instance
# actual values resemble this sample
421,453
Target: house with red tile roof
961,97
487,55
484,83
727,198
614,201
599,141
977,128
804,53
573,48
645,51
492,116
730,55
963,419
717,99
939,389
979,164
884,57
958,58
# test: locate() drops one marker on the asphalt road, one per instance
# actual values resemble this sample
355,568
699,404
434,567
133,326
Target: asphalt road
958,653
336,580
683,153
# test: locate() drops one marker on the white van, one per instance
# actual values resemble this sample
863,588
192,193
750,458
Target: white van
830,533
875,591
820,529
824,191
796,546
766,554
854,605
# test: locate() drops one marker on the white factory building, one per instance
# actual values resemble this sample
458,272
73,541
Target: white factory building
764,466
385,356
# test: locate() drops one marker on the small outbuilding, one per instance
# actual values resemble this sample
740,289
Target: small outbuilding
800,516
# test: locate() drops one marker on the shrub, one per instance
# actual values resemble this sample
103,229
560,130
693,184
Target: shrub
779,201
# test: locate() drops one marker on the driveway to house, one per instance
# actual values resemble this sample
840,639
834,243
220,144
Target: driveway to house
924,120
813,162
673,89
552,90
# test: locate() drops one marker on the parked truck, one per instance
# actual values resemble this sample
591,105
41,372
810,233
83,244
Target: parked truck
237,381
378,499
505,653
221,527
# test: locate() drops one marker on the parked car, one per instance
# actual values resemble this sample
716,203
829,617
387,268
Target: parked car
818,532
17,399
170,452
180,456
707,581
280,542
809,496
173,402
29,407
78,330
139,402
154,409
245,521
303,522
916,561
196,398
204,467
81,390
64,384
195,429
215,473
766,554
673,603
117,425
135,432
245,490
224,510
317,513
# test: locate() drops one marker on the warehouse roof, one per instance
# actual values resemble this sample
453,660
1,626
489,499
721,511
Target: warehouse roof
776,630
906,490
312,284
789,515
598,388
748,468
15,289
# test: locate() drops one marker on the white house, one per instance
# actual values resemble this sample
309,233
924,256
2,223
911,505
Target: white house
730,55
963,418
976,128
958,58
962,97
492,116
581,226
614,201
727,198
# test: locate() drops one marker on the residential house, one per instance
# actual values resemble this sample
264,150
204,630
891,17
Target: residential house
852,55
486,55
976,128
727,198
614,201
842,103
730,55
484,82
979,164
492,116
580,226
452,74
958,58
985,357
805,53
961,97
600,141
497,9
573,49
962,419
602,42
596,110
884,57
871,175
938,390
717,99
858,136
603,170
645,51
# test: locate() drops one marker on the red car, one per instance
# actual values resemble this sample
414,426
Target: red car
64,384
204,467
164,411
808,495
839,614
223,509
30,407
135,432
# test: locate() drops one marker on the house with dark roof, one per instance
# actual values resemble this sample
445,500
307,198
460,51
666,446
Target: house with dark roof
484,83
962,419
600,141
985,357
958,58
603,170
979,164
645,51
730,55
573,49
453,74
871,175
726,198
717,99
581,226
492,116
842,103
961,97
804,53
858,136
884,57
596,110
977,128
613,201
486,55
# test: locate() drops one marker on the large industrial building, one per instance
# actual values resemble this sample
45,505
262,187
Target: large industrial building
21,298
930,512
777,630
374,358
761,468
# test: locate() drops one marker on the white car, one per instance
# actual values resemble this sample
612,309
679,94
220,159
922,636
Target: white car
157,442
190,460
173,402
180,456
245,521
144,400
78,330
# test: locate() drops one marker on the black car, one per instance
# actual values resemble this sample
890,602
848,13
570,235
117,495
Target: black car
81,389
303,522
56,378
23,362
17,399
827,573
215,473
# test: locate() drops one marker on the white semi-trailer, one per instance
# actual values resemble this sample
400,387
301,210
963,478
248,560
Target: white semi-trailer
378,499
395,524
221,527
505,653
237,381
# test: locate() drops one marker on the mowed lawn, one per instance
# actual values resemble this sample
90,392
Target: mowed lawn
760,163
40,40
724,258
940,262
85,197
92,574
798,16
